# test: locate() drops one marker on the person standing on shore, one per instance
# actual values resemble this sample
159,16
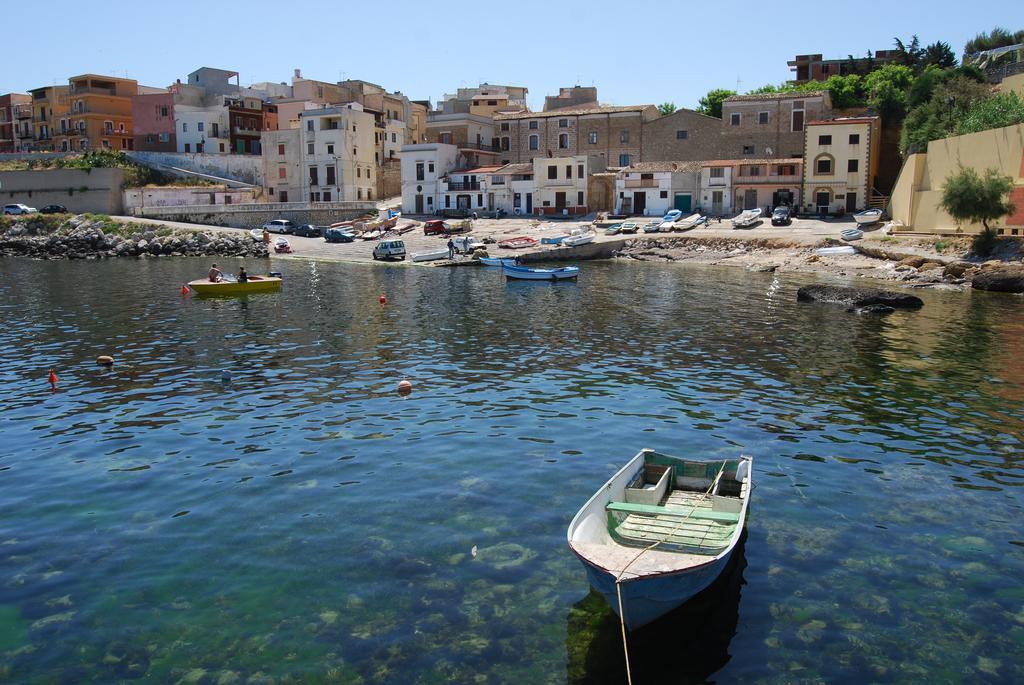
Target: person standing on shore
451,249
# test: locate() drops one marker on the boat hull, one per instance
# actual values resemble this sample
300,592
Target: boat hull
867,217
646,599
497,261
429,256
263,285
523,274
574,240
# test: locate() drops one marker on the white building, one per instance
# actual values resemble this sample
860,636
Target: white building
510,188
716,188
336,153
202,129
423,166
561,183
282,169
655,188
466,189
840,164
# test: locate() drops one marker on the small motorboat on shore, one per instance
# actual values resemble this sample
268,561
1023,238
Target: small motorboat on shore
553,239
254,284
629,227
689,222
668,221
429,256
652,227
518,243
579,236
747,218
661,530
868,216
614,229
834,251
498,261
372,234
523,273
281,246
852,234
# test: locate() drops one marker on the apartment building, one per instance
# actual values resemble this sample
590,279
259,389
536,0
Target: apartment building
472,134
423,167
840,164
770,124
730,186
50,107
560,183
100,116
327,158
613,133
655,188
465,189
485,100
510,188
817,68
10,124
153,125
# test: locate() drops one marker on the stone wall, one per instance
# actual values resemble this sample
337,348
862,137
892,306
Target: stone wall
96,191
703,139
610,129
241,168
389,179
255,215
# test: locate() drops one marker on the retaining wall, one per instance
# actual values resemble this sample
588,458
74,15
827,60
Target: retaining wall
255,215
80,190
242,168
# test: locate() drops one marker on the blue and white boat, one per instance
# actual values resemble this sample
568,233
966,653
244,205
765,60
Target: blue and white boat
868,217
553,239
523,273
661,530
498,261
668,221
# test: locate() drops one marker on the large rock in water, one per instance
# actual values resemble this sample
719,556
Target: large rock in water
857,297
1002,280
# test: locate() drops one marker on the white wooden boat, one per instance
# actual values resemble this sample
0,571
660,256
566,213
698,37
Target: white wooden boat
497,261
524,273
429,256
669,220
661,530
373,234
746,218
833,251
687,223
868,216
852,234
578,237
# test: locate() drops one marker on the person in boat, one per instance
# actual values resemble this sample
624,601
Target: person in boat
451,249
215,275
241,276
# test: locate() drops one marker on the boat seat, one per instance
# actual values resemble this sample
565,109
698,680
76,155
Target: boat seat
629,508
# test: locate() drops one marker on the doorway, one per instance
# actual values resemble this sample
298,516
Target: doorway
821,201
716,202
750,198
639,202
529,203
683,202
851,202
559,201
419,204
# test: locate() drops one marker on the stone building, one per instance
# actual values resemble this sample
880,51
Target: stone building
684,135
770,124
576,97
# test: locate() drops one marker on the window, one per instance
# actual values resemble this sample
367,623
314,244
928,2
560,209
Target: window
568,170
330,148
199,126
579,171
517,200
184,127
394,139
327,196
430,168
480,200
533,125
717,172
624,136
563,141
359,193
282,196
164,137
854,139
309,148
359,172
593,138
664,195
222,147
330,175
504,126
419,170
492,103
149,138
188,148
823,165
563,123
355,153
852,165
447,201
314,176
282,172
534,142
505,142
623,160
163,111
824,140
309,125
748,149
682,135
754,170
762,117
734,119
280,148
579,198
552,172
445,138
430,201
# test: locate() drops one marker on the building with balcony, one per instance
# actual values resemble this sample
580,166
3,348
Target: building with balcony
729,186
327,158
153,127
465,189
50,107
510,188
769,124
561,183
816,68
472,134
423,167
841,164
100,116
716,198
248,117
655,188
12,105
613,133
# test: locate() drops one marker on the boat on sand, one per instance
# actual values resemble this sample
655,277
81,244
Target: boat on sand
517,243
661,530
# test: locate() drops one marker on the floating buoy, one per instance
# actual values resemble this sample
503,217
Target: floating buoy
225,376
383,299
405,387
105,360
52,378
184,289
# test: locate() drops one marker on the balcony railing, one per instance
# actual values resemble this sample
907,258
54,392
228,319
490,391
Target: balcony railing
23,111
788,179
475,146
76,90
239,131
641,183
716,181
467,185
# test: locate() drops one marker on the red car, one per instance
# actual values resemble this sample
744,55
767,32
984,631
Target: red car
436,227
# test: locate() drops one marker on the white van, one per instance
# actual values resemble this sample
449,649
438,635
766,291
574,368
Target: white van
389,249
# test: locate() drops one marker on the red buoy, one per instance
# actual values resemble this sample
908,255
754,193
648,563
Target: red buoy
383,299
405,387
184,289
52,378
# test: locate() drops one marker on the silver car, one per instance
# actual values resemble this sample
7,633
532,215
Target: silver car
279,226
19,209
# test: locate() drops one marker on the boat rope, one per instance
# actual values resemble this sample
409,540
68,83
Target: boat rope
618,578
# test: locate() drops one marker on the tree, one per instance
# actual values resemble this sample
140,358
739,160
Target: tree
939,54
908,55
711,104
951,101
1005,109
845,91
887,89
967,196
997,38
667,108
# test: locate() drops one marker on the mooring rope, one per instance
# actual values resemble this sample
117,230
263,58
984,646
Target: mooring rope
618,579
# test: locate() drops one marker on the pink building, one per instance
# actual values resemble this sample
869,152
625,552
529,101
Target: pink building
153,122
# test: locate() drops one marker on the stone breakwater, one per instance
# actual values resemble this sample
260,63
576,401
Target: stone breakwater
84,237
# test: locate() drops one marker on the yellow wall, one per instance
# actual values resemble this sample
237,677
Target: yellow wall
1013,83
918,191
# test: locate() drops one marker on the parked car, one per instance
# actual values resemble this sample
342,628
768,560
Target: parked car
782,216
389,249
19,209
339,235
54,209
436,227
279,226
308,231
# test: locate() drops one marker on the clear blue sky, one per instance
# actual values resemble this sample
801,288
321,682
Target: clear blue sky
635,52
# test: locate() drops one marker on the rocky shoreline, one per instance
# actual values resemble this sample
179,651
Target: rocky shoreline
909,262
97,237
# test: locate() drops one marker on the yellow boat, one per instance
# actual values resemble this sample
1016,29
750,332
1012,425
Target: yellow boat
255,284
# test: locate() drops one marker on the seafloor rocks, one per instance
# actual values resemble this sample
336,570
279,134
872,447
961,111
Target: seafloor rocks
857,297
1001,279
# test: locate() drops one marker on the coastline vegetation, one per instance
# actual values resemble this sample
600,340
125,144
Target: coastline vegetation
135,175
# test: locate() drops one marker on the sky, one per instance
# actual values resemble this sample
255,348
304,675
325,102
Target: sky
635,52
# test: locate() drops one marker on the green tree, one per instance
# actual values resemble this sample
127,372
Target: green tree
1004,109
951,101
845,91
667,108
997,38
888,90
909,54
711,104
967,196
939,54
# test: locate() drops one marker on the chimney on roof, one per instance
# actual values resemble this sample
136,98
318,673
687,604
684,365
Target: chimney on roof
298,73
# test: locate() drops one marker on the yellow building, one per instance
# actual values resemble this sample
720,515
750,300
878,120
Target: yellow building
840,164
918,191
100,116
49,105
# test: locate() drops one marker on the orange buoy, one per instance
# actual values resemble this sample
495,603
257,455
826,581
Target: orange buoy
405,387
383,299
184,289
105,360
52,377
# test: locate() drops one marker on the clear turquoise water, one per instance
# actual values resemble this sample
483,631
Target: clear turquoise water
300,522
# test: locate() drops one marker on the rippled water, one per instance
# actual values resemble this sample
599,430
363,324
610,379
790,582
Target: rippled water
244,497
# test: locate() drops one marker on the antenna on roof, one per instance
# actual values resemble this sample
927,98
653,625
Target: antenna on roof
738,82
